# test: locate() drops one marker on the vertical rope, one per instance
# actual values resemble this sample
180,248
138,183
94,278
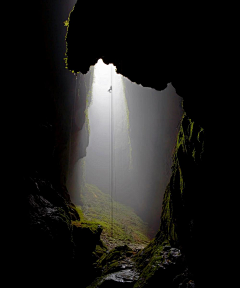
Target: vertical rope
112,157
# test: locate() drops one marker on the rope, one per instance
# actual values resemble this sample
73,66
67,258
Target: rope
112,157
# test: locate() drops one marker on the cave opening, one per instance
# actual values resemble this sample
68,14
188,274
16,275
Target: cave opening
53,245
129,132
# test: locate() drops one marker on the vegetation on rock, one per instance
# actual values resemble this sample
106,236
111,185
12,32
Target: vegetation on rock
177,218
127,226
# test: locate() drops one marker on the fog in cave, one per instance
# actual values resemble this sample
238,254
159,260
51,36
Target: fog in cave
132,133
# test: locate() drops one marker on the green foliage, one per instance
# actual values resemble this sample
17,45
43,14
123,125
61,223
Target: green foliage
127,226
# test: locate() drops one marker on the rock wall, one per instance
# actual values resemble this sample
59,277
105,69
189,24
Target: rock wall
40,243
180,205
179,228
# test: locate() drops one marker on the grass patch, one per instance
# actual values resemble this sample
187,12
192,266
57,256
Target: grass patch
127,226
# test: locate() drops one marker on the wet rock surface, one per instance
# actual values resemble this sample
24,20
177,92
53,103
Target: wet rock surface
116,269
123,278
162,265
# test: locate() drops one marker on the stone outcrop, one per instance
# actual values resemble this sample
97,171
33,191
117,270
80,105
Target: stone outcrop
53,245
116,269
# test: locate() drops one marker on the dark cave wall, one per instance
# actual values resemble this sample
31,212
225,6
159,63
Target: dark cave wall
184,222
41,243
79,136
180,221
43,109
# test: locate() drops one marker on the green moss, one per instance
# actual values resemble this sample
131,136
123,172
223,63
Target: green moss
111,262
66,24
84,223
181,137
149,260
99,252
112,267
181,181
142,257
127,226
79,211
191,124
187,155
194,153
101,249
200,133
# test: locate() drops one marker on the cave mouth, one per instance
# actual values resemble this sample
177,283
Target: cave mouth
130,131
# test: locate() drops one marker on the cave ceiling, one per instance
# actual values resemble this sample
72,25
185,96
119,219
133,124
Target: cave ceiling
147,48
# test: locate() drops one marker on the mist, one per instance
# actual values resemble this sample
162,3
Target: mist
130,132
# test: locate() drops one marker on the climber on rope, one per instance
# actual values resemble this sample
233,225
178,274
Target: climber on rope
110,89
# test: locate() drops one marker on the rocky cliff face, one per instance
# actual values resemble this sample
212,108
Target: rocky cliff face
180,202
180,215
41,242
54,245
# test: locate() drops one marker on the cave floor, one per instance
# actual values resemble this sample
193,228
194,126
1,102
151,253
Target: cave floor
111,243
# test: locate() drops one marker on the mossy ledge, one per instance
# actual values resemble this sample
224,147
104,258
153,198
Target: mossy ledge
88,247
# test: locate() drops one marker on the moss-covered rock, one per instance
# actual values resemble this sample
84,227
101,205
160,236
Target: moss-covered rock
168,255
180,199
116,268
100,250
112,261
161,265
88,248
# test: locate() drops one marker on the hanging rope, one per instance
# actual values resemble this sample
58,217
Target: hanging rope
112,156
